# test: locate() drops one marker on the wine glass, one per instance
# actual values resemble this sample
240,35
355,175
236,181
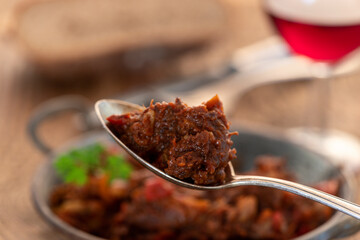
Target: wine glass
326,32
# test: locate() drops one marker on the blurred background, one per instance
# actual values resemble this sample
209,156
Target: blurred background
90,48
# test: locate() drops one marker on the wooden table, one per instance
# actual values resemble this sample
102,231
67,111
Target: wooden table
279,106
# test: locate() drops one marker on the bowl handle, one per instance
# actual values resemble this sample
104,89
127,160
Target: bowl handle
56,106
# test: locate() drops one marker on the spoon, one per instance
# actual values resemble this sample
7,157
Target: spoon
105,108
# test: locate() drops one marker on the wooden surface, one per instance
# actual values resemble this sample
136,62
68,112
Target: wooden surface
280,106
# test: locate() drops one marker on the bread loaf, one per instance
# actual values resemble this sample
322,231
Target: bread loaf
58,31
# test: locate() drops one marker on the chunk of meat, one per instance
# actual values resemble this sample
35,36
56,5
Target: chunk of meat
189,143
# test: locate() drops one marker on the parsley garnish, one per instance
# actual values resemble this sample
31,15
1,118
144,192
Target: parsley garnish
116,167
78,164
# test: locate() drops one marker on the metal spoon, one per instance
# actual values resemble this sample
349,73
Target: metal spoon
105,108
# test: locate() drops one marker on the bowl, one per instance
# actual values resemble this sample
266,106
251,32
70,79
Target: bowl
309,167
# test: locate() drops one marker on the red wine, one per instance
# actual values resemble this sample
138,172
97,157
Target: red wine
327,43
324,30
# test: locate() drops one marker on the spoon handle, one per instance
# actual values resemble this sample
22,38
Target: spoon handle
329,200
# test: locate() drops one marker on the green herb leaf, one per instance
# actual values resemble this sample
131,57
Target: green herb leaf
117,167
64,164
89,156
77,176
77,165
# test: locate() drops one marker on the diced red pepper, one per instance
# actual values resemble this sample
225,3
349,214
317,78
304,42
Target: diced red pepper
156,189
118,120
278,221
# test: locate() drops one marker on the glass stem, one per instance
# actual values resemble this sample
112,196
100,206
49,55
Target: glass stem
320,99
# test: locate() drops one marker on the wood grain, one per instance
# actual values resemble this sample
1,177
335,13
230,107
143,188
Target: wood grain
280,106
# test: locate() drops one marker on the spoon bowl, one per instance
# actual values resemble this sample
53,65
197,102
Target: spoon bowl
105,108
